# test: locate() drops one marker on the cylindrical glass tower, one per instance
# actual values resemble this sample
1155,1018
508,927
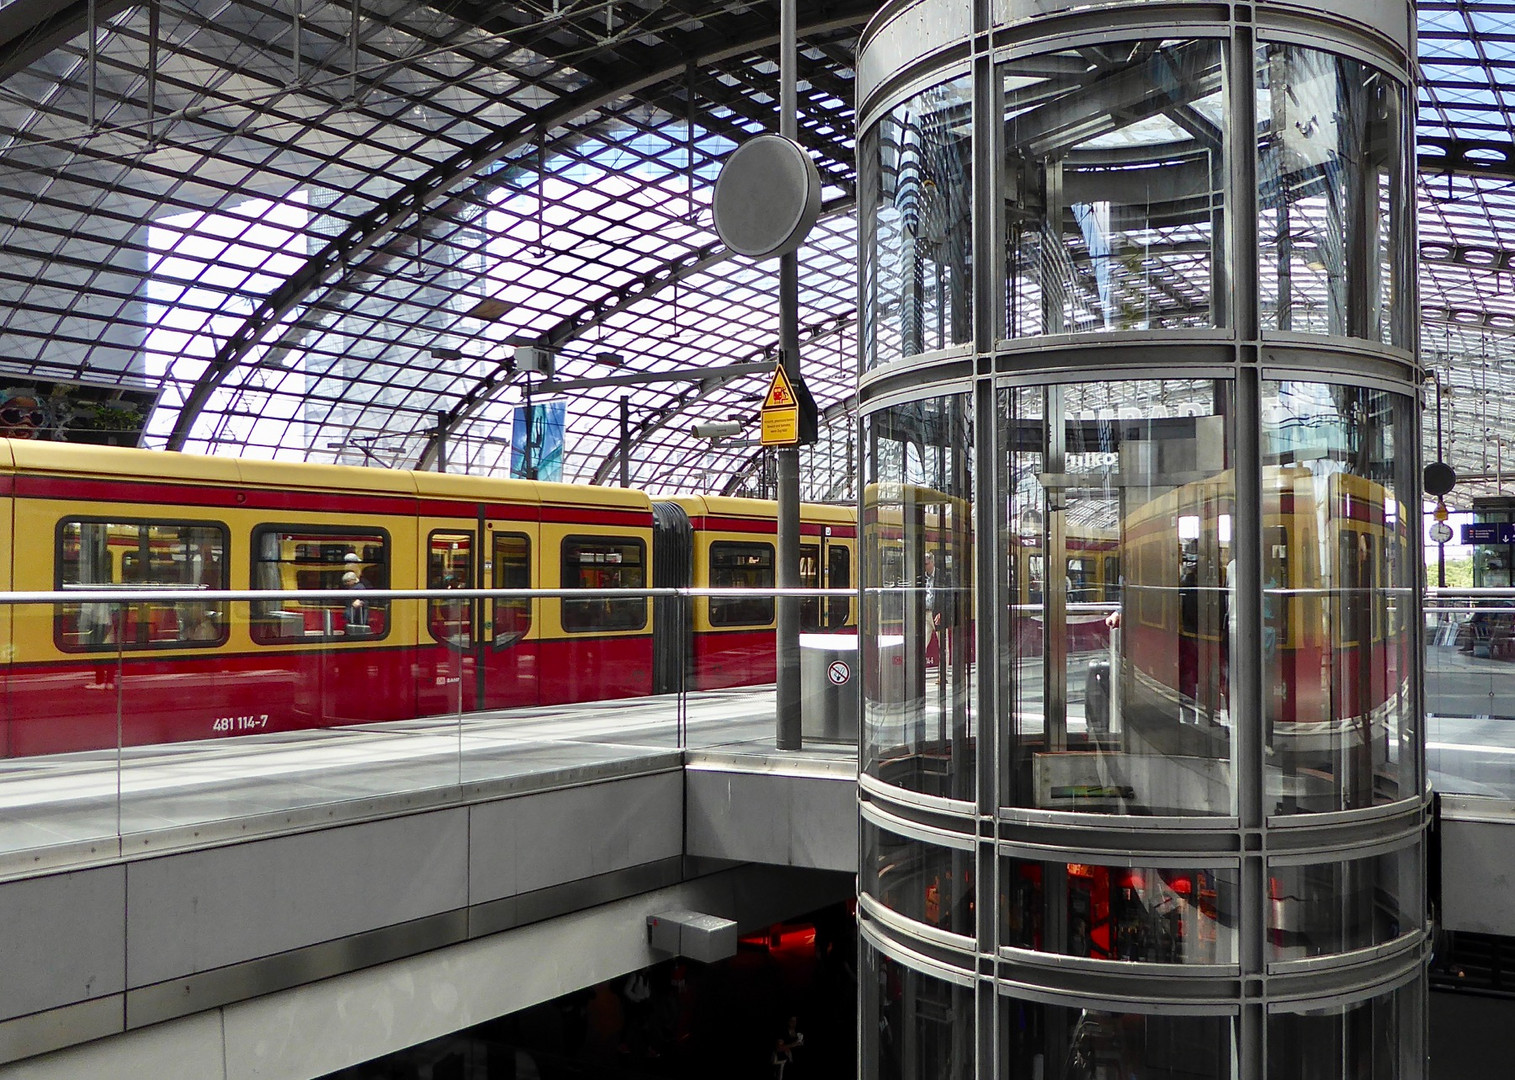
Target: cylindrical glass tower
1142,785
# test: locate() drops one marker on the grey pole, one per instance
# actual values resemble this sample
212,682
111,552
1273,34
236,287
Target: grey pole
787,640
625,442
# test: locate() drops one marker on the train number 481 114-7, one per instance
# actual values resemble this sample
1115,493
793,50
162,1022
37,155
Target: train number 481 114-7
240,723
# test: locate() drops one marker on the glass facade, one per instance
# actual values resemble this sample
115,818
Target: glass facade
916,234
1095,1044
1339,595
1115,166
1382,1038
925,1026
1332,237
1326,908
1137,914
1170,713
925,882
918,598
1116,544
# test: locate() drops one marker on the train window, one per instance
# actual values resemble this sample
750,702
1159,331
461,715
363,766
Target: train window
838,576
1112,580
744,566
141,555
604,562
316,560
512,570
449,565
1034,578
1079,580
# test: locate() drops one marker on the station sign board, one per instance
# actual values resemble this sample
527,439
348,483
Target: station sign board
1502,532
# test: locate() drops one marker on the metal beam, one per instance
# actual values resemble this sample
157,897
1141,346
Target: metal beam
730,371
405,205
818,332
634,292
1439,156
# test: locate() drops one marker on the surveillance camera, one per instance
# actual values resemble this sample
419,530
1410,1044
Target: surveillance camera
716,429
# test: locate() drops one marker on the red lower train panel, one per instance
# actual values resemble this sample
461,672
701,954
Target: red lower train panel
98,703
732,658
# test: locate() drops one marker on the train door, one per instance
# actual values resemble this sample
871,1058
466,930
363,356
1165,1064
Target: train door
838,576
811,562
508,653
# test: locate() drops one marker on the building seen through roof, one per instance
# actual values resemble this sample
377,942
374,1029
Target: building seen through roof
324,231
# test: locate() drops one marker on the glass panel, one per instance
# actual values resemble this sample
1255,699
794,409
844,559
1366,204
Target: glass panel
1115,170
1333,209
1121,912
604,563
916,179
1338,601
915,1027
1052,1041
917,547
315,560
139,555
919,880
512,570
1118,666
1325,908
1378,1039
742,566
449,565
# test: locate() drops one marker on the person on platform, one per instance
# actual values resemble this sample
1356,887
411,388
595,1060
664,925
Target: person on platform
789,1040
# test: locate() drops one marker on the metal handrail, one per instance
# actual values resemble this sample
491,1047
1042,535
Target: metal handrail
189,593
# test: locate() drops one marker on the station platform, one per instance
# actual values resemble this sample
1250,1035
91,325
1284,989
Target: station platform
67,810
362,889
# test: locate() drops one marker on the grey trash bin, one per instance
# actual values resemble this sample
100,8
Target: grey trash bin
830,699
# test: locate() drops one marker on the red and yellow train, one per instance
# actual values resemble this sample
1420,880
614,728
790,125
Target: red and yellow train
1337,577
84,517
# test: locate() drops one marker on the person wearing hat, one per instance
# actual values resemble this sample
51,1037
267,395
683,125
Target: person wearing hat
356,616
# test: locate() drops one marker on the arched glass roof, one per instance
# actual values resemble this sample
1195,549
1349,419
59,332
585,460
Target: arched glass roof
325,231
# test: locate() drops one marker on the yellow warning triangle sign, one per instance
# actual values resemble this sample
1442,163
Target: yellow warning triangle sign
780,392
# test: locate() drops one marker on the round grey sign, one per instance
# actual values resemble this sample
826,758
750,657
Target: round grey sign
767,197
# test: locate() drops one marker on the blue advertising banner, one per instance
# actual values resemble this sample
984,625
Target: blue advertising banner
536,441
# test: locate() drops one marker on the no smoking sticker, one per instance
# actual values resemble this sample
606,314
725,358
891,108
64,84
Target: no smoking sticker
838,672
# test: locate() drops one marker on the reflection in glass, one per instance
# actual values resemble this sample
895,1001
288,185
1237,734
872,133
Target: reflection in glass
916,182
1115,169
1338,596
1378,1039
1324,908
1084,1044
926,882
1138,914
1332,200
925,1026
918,598
1117,543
